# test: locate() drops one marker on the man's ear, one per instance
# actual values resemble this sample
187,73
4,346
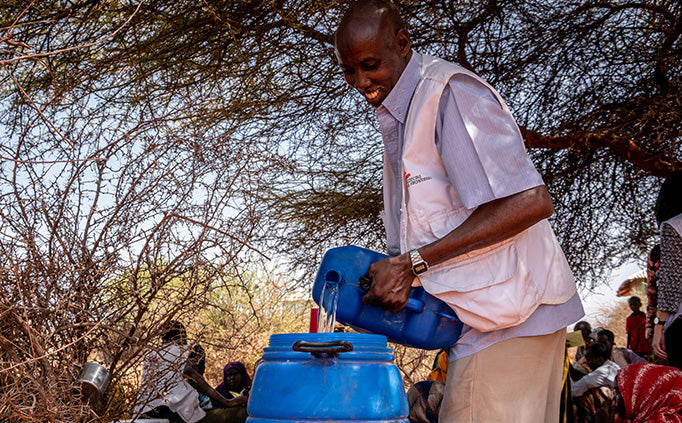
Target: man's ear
404,43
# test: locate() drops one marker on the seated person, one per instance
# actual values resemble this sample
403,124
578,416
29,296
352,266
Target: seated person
230,410
439,370
586,331
579,367
424,399
649,393
236,382
623,357
170,383
604,373
597,387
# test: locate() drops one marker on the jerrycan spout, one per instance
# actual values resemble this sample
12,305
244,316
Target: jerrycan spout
332,278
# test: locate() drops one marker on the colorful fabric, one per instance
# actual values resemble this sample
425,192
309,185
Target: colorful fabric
424,399
440,370
245,381
651,393
587,404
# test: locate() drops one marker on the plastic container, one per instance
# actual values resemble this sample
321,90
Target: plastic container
339,377
426,322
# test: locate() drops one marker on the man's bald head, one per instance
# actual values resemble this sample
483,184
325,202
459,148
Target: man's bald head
372,15
373,48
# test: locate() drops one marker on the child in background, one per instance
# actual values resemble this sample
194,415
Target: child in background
635,326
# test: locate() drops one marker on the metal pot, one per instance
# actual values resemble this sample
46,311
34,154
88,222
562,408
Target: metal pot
94,380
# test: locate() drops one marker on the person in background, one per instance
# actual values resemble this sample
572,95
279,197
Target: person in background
635,327
456,170
439,370
172,382
649,393
424,399
586,329
596,388
164,392
623,357
668,330
604,373
236,382
230,410
579,367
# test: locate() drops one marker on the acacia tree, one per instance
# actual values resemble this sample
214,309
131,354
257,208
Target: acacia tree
146,142
593,85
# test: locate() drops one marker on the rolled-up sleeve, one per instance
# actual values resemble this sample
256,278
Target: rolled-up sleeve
481,145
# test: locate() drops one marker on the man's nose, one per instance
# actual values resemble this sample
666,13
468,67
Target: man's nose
361,81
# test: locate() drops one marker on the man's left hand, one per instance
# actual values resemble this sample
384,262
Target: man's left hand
391,282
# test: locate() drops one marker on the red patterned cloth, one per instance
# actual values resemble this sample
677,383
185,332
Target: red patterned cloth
651,393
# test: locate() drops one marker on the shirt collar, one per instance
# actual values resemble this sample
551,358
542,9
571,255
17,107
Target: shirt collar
397,102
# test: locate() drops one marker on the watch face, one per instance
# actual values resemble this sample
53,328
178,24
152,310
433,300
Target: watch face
419,268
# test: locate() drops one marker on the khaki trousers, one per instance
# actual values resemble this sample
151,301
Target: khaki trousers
514,381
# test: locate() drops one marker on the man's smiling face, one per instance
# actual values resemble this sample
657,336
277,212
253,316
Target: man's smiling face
372,56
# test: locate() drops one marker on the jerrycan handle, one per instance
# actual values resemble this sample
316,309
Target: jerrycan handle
413,304
331,348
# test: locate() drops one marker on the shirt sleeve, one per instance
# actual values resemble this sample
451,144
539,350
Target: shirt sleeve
480,144
600,377
631,357
670,272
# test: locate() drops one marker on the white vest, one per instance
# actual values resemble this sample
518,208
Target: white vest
490,288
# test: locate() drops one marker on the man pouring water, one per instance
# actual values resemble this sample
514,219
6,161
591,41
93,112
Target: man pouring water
466,214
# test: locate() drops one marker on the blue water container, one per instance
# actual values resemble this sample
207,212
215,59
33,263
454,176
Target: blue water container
339,377
426,322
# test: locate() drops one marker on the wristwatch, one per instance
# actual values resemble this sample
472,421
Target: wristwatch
658,321
419,265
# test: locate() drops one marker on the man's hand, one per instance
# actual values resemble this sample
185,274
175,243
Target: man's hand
391,282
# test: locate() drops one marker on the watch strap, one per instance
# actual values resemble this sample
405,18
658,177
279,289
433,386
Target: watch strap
419,265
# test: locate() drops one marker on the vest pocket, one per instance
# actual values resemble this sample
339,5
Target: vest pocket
488,291
476,270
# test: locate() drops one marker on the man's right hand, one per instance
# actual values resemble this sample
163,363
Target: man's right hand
391,282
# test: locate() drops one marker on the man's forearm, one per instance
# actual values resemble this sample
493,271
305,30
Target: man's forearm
491,223
488,224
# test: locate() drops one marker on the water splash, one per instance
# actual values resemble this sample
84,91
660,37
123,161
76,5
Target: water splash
329,298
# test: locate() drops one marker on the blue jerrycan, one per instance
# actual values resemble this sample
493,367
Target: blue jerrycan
327,377
426,322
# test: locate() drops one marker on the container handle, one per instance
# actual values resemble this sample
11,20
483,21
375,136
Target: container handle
413,304
331,348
